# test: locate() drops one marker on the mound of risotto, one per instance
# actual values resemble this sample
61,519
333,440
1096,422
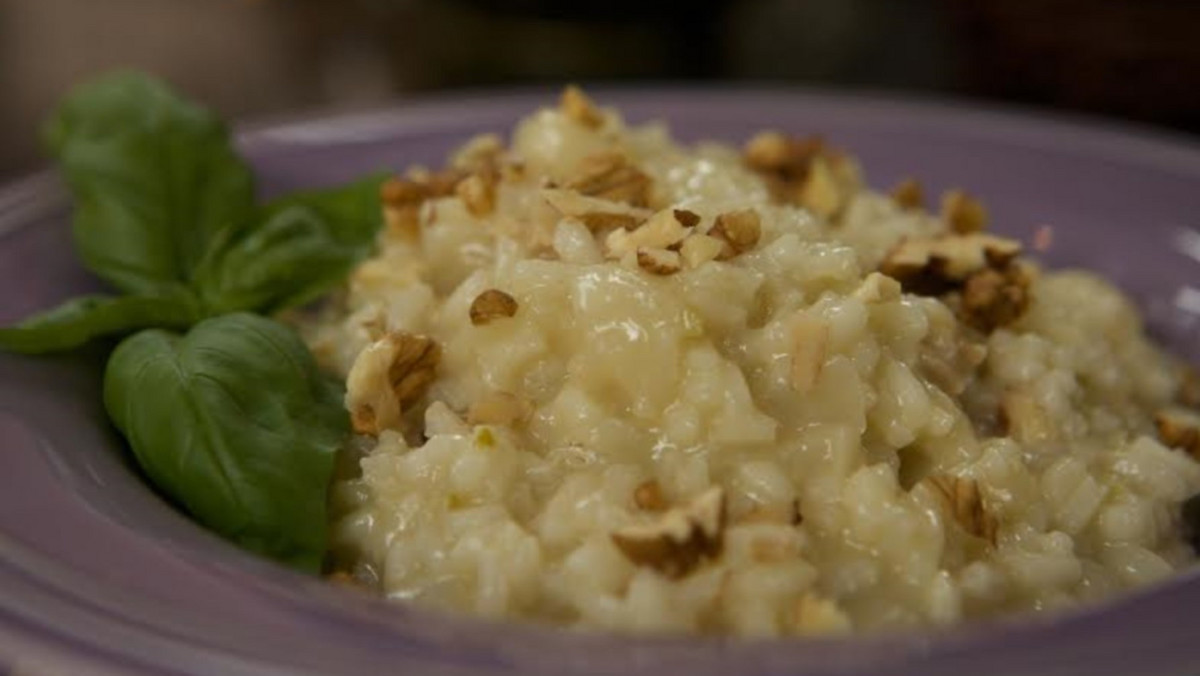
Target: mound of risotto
604,380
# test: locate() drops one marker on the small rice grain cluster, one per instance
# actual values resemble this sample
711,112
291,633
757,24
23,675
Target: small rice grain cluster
605,380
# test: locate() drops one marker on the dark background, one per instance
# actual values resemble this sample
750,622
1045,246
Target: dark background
1132,59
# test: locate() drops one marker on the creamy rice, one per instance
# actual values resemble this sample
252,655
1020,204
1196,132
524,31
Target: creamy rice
732,434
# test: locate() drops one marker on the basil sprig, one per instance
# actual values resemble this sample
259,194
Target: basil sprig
225,411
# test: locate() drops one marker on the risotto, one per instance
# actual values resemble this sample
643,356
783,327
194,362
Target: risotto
605,380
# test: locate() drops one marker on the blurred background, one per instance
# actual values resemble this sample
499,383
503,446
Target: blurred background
1132,59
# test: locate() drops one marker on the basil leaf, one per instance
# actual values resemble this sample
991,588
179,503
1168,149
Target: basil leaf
80,320
234,422
154,179
304,245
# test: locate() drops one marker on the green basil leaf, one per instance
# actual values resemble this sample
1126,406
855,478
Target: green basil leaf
80,320
154,178
304,245
235,423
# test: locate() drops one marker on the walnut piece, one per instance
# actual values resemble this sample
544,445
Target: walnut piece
597,214
660,231
490,305
935,265
908,194
739,232
500,408
962,213
649,496
1179,428
698,249
482,151
610,175
402,198
810,344
578,107
1023,418
962,500
478,193
387,376
994,298
688,219
680,539
658,261
819,192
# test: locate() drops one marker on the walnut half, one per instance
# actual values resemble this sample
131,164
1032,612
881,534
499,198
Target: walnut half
680,539
1179,428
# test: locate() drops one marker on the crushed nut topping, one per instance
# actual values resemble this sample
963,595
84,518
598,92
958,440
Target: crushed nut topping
800,170
598,215
649,496
1179,428
688,219
908,194
479,152
810,343
389,375
932,266
658,261
680,539
492,304
610,175
994,298
738,230
820,192
660,231
579,107
1022,417
478,193
500,408
962,213
697,249
878,288
402,198
961,498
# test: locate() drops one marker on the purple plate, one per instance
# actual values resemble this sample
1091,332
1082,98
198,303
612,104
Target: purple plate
98,575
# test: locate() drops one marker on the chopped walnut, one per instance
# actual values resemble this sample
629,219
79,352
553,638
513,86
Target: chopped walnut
961,498
680,539
1179,428
649,496
387,376
492,304
932,266
697,249
878,288
962,213
402,199
597,214
1188,391
610,175
688,219
908,194
479,152
660,231
578,107
500,408
738,230
810,343
1023,418
820,192
994,298
788,157
658,261
478,193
